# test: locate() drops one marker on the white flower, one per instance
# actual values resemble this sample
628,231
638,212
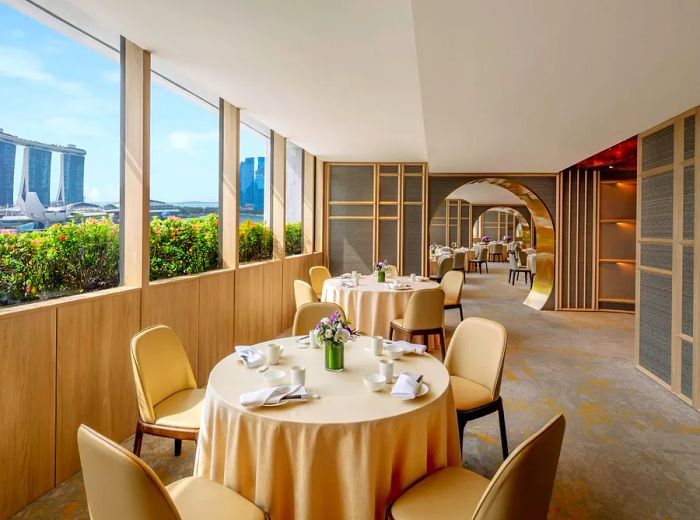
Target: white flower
342,336
329,334
325,321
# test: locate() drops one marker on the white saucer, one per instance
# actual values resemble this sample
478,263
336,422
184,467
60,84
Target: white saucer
424,389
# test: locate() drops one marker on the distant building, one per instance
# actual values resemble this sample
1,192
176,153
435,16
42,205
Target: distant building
36,174
245,172
7,172
259,185
72,180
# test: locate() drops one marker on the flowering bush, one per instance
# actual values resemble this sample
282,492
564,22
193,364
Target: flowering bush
254,241
293,244
334,330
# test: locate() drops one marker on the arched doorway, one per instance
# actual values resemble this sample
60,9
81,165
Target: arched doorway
543,224
515,225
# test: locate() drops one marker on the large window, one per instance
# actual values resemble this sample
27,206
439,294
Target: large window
294,190
184,182
254,211
59,161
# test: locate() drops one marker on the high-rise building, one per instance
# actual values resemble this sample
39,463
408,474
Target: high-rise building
259,185
245,172
36,173
71,183
7,172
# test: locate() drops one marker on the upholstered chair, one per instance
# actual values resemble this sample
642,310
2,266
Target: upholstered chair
514,269
120,485
309,314
495,252
170,404
482,258
452,285
475,363
444,266
521,488
318,274
533,269
424,316
458,262
303,293
522,258
392,271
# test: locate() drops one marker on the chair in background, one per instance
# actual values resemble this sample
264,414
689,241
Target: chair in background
481,259
446,250
521,488
533,269
495,252
444,266
303,293
317,275
392,271
120,485
514,269
309,314
452,285
170,404
458,262
475,363
424,317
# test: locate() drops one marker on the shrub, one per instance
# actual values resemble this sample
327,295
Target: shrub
254,241
292,238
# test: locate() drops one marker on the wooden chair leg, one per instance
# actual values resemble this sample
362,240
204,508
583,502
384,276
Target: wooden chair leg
461,425
461,313
138,439
487,267
442,344
502,425
391,332
178,447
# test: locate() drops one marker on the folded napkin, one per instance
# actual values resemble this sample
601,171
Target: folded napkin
274,395
251,357
406,386
400,285
346,275
416,348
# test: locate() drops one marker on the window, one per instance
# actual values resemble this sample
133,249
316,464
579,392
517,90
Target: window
59,161
294,202
184,182
254,202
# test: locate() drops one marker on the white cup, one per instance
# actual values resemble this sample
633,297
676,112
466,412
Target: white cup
354,275
413,277
377,345
312,339
386,368
298,373
272,353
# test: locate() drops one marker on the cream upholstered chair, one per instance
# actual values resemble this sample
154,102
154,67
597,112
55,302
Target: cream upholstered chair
318,274
170,404
521,488
475,363
452,285
309,314
120,485
458,262
424,316
444,266
482,258
514,269
392,271
303,293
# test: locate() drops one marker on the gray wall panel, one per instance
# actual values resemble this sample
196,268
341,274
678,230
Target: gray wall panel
412,239
388,241
687,369
351,182
657,148
687,301
655,325
657,206
350,245
656,255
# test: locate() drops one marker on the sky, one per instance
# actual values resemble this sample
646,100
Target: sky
56,90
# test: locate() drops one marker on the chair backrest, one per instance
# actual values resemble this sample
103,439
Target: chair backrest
452,284
522,486
318,274
458,260
161,368
425,310
392,271
476,352
309,314
483,254
522,257
445,264
303,293
493,246
118,484
512,261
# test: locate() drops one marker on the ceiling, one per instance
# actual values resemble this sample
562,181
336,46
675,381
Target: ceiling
485,194
469,86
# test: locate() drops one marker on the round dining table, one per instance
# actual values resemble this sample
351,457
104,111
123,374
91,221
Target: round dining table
372,305
348,453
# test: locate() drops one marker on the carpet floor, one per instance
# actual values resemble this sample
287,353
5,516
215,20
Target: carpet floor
631,449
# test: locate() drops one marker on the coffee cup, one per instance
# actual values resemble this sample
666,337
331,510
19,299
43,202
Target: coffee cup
386,368
273,351
298,374
377,345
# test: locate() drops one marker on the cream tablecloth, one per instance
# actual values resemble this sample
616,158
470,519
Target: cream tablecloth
347,455
371,305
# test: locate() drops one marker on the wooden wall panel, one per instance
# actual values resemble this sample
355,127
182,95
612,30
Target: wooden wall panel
27,407
95,382
216,323
248,303
295,268
272,304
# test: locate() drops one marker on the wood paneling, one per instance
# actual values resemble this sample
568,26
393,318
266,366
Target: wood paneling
272,304
248,303
216,324
95,382
229,141
27,407
279,155
296,268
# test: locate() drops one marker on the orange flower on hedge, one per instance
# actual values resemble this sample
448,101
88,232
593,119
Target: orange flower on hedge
36,242
62,237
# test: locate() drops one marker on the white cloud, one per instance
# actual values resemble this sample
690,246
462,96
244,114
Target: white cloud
19,63
184,140
111,76
69,125
92,195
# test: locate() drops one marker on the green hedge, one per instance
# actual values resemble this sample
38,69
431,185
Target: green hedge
254,242
292,239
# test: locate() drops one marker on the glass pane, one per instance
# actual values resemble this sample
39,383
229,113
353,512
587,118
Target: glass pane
294,182
59,162
184,182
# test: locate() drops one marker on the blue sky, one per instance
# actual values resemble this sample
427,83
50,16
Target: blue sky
55,90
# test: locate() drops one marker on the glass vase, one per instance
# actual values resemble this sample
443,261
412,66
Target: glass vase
381,276
335,356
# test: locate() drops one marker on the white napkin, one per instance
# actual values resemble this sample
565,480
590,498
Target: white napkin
406,386
251,357
416,348
399,285
274,395
346,275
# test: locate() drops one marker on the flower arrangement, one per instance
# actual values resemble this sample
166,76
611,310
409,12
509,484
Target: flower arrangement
486,239
453,245
507,238
334,332
381,267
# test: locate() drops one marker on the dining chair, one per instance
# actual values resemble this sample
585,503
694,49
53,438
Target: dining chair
514,269
444,266
452,285
521,488
392,271
120,485
303,293
533,269
481,259
424,316
475,364
458,262
495,252
318,274
309,314
170,404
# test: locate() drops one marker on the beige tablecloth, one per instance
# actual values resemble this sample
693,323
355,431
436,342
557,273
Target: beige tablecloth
347,455
371,305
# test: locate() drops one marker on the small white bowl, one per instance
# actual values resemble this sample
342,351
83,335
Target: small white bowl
274,377
374,382
393,351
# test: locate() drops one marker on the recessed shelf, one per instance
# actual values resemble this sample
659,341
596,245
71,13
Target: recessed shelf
617,260
618,221
616,300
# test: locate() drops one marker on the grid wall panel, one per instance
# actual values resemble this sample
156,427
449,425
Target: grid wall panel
657,148
657,206
453,234
337,210
388,241
412,238
687,369
413,168
689,137
689,202
656,255
687,300
413,189
388,189
655,325
350,245
466,230
437,234
351,182
388,168
389,210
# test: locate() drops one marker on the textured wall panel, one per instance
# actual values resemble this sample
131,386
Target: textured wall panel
687,301
437,235
657,206
389,210
655,325
413,168
389,189
350,245
689,202
689,137
336,210
412,238
656,255
657,148
388,240
388,168
351,182
466,230
687,369
413,189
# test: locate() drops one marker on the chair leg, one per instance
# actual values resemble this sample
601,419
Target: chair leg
461,313
461,425
391,332
138,439
487,267
442,344
502,425
178,447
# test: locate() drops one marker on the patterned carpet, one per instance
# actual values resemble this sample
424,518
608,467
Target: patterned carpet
631,449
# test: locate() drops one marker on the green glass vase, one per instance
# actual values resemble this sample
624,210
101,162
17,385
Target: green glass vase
381,276
335,356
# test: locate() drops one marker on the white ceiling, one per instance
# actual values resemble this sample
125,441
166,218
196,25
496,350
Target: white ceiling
469,86
483,193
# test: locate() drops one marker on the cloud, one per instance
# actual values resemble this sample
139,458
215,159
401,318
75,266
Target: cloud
70,125
92,195
184,140
111,76
19,63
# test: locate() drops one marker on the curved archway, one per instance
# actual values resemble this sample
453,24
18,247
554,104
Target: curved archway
543,286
